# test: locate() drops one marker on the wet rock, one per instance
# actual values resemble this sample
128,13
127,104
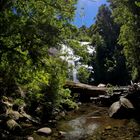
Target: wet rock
44,131
114,108
8,104
3,108
30,138
3,117
121,108
62,133
30,118
126,103
95,100
61,115
12,125
79,103
108,127
15,115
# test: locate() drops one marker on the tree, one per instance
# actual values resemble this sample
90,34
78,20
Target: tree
83,75
27,30
108,53
126,13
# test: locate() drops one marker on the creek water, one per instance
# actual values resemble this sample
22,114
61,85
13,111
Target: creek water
80,128
87,121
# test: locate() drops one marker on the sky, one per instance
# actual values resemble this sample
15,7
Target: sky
87,11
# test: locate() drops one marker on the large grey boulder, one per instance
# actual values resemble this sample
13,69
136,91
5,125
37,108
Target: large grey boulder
126,103
114,108
121,108
44,131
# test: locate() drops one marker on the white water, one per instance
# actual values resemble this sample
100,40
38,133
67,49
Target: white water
73,60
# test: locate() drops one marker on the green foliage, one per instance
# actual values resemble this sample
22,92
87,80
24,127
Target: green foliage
111,88
137,3
67,102
84,38
19,102
79,50
28,29
81,34
83,75
109,61
126,13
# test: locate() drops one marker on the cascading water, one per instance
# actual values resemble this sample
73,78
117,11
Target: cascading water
73,60
68,55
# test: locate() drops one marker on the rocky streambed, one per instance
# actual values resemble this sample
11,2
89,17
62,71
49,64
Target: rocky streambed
89,122
93,123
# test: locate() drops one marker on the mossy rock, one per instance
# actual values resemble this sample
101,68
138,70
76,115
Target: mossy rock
12,125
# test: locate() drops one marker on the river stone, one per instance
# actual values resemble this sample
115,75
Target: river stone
62,133
123,106
30,138
15,115
45,131
108,127
114,108
126,103
13,125
30,118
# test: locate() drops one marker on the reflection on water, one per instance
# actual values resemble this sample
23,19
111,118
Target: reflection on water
87,122
80,128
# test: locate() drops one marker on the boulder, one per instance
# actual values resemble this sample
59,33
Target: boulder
3,108
44,131
30,138
7,104
62,133
126,103
30,118
15,115
12,125
114,108
3,117
121,108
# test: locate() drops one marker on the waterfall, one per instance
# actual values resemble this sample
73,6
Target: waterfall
68,55
73,60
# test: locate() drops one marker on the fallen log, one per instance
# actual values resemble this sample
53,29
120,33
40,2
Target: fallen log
79,86
86,91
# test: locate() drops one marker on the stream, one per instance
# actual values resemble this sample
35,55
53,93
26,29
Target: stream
81,127
87,121
91,122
